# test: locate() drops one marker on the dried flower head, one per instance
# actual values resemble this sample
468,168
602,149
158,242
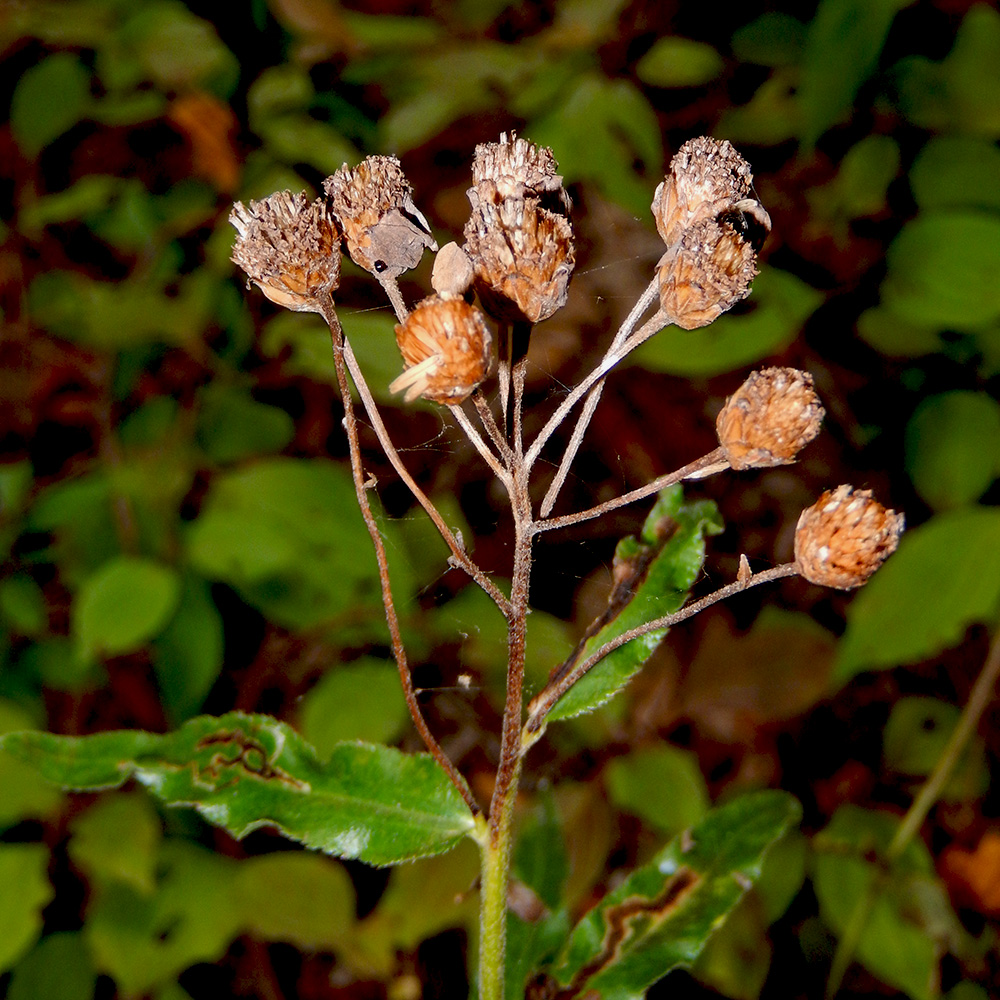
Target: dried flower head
707,179
384,231
844,537
289,248
769,419
446,346
518,236
705,273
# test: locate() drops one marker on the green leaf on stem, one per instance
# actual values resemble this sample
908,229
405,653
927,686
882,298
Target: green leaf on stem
653,577
242,772
59,967
663,914
25,891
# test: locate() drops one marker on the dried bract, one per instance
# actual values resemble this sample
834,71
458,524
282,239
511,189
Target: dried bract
384,231
705,273
844,537
289,248
519,237
452,274
769,419
446,346
707,179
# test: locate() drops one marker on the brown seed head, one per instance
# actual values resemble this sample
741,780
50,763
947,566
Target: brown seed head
518,236
446,346
705,273
384,231
707,179
289,248
769,419
844,537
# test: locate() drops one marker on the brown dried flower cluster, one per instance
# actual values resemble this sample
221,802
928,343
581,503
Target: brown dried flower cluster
373,202
446,346
710,222
289,248
844,537
518,236
769,419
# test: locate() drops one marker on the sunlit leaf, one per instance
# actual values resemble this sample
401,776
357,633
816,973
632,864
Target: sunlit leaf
123,605
953,447
667,566
679,62
243,772
944,577
662,785
57,968
25,890
776,310
669,908
50,97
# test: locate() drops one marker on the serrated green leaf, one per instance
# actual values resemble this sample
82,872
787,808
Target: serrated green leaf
669,908
893,945
362,700
57,968
117,840
661,784
944,269
25,890
679,62
778,307
243,772
953,447
662,589
50,97
123,605
944,577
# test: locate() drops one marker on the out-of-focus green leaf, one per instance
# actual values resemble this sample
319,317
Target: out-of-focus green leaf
299,138
187,654
144,940
585,23
944,268
49,98
896,337
379,32
22,605
232,425
303,899
773,39
57,968
914,738
24,796
123,605
243,772
967,991
662,785
25,890
278,91
288,536
679,62
671,906
771,116
84,24
842,49
664,564
117,840
362,700
962,92
779,305
89,195
955,171
737,957
420,901
893,946
600,130
530,948
540,852
944,577
953,447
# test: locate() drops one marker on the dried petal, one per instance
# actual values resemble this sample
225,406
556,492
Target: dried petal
705,273
446,346
844,537
289,248
384,231
769,419
707,179
452,274
518,236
